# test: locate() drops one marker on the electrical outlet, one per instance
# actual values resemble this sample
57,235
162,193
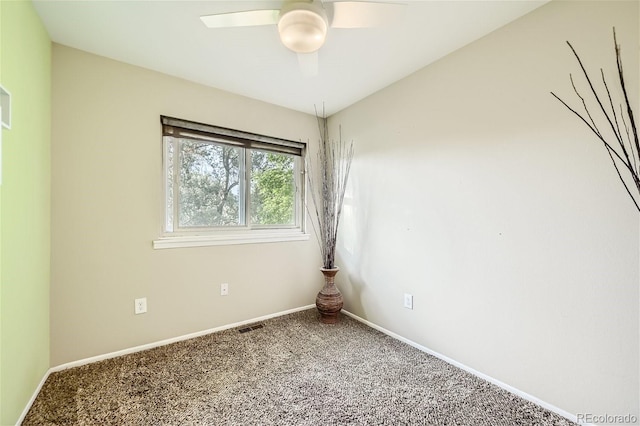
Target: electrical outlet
408,301
224,289
140,305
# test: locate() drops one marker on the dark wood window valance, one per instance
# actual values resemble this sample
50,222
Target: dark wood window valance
179,128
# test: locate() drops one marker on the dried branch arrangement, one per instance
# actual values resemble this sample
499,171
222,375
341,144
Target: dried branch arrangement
621,141
327,187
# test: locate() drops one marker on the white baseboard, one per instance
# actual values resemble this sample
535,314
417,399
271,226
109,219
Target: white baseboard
140,348
33,397
508,388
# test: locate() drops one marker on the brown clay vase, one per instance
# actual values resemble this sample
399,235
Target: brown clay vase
329,300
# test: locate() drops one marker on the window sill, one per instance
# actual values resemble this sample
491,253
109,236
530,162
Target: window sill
256,237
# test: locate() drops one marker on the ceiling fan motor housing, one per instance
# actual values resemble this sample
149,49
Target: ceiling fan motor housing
303,27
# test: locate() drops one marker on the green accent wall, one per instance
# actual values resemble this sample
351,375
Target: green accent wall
25,71
1,134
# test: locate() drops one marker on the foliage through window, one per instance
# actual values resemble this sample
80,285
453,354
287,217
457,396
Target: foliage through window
223,179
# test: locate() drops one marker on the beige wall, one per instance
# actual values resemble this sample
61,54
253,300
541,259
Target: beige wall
478,193
107,208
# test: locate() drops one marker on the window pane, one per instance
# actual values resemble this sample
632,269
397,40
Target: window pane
209,188
272,189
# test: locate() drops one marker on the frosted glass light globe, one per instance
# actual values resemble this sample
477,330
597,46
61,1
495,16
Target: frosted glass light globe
303,29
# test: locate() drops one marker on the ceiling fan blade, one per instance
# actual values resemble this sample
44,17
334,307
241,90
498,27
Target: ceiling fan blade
356,14
247,18
308,64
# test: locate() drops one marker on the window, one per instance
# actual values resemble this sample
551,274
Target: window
227,186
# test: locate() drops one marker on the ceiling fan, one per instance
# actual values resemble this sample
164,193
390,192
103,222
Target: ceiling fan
303,25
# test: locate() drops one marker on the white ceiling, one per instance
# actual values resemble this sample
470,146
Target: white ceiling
168,36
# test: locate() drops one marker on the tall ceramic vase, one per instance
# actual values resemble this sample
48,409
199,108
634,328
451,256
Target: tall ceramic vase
329,300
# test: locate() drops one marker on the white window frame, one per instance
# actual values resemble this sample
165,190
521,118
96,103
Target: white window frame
174,237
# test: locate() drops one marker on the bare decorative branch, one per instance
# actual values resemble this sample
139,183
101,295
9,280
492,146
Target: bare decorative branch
327,188
626,156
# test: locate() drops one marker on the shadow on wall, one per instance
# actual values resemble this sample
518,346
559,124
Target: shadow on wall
353,245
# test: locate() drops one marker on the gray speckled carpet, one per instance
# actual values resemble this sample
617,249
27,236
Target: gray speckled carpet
293,371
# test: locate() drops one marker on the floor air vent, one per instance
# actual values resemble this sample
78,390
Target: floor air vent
250,328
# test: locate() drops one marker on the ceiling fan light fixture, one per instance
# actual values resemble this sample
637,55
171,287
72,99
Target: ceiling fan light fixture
303,29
